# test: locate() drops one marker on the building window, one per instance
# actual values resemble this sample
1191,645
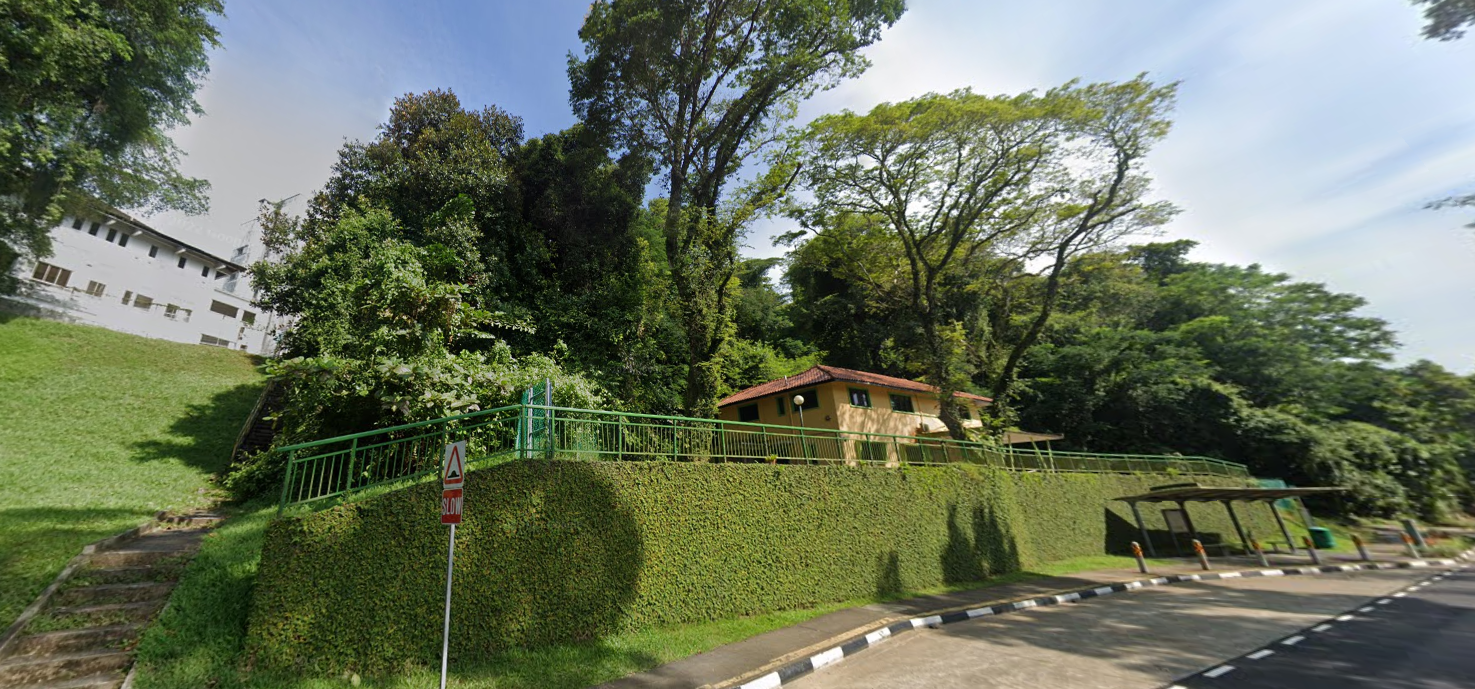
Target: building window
224,309
182,261
860,397
143,302
45,272
248,318
127,296
205,272
173,312
748,413
96,288
123,240
77,223
811,399
95,227
112,233
780,401
153,251
902,403
214,341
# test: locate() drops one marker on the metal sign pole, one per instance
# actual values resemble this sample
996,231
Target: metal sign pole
445,644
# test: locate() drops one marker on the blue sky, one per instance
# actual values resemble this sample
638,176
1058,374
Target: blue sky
1308,135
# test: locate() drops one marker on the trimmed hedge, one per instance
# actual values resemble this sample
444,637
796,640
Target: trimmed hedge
561,551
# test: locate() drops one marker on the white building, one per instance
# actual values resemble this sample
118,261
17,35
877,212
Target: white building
116,272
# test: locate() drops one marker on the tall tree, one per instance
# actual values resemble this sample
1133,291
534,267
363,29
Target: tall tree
961,176
88,91
704,85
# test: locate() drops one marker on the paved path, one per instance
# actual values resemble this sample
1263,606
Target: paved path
1140,640
1419,638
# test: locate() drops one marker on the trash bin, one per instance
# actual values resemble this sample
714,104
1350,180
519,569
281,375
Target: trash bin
1322,538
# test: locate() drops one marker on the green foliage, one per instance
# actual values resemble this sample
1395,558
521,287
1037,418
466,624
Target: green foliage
384,332
1152,352
702,88
552,552
101,429
925,193
1447,19
90,89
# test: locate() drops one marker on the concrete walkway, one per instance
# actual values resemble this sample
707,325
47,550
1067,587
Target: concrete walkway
731,665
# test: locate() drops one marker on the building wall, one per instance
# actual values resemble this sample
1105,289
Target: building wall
103,272
837,412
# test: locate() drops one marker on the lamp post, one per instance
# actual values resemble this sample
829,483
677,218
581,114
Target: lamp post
799,404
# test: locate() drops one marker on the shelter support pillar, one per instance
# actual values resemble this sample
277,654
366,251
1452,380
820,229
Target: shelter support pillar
1281,522
1188,519
1142,527
1239,530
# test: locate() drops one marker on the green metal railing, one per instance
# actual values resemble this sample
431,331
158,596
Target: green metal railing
338,466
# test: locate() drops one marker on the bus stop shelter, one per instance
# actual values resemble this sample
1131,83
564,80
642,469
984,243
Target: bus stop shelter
1182,494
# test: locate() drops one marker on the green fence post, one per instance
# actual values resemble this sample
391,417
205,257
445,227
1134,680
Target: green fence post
286,481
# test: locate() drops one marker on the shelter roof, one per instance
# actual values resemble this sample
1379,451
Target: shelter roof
824,374
1195,493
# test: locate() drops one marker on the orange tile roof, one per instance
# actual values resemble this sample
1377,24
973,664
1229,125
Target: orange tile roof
825,374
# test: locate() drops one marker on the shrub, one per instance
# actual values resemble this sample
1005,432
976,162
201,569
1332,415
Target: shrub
564,550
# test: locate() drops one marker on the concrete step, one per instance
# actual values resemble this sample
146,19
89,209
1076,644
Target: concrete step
115,637
84,616
189,519
30,671
101,594
143,574
106,680
138,557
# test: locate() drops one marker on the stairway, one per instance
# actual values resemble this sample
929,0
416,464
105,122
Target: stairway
261,426
82,634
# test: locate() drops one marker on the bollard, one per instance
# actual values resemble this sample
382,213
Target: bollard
1203,557
1361,548
1260,553
1408,542
1311,548
1411,528
1141,561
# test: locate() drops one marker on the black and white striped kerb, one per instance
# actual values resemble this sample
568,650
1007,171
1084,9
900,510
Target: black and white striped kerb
799,668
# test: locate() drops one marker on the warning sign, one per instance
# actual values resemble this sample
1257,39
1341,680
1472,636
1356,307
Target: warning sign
453,473
450,506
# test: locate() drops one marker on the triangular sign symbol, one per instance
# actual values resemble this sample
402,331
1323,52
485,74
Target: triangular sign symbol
453,464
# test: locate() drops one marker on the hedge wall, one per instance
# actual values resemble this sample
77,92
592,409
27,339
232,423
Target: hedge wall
558,551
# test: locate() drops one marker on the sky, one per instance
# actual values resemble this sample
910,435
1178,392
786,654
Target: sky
1308,137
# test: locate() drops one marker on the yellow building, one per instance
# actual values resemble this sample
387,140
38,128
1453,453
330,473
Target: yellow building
847,400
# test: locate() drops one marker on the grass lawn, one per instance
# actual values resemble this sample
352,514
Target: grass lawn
99,430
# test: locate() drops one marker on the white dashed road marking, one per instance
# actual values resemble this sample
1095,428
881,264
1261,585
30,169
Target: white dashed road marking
1321,627
1366,609
1219,671
1294,640
1344,618
1260,654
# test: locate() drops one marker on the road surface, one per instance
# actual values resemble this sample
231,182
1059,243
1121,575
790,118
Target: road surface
1183,635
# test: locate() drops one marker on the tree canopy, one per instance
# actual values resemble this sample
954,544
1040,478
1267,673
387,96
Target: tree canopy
88,93
702,87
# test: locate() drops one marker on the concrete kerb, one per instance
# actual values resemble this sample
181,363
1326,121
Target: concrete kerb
767,678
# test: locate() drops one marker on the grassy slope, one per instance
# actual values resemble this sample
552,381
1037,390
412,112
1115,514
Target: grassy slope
98,430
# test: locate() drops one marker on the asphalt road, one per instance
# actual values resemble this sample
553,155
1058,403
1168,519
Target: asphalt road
1422,637
1180,635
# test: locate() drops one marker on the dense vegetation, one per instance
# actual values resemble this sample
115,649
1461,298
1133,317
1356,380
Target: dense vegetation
980,243
102,429
568,551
